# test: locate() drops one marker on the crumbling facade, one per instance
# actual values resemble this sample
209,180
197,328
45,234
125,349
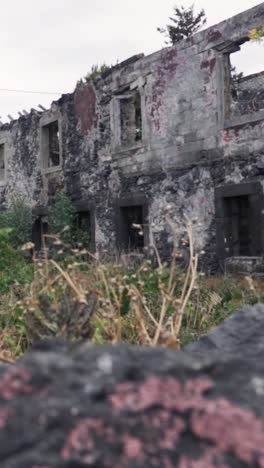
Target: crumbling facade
166,129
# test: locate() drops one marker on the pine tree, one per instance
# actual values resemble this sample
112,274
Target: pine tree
185,23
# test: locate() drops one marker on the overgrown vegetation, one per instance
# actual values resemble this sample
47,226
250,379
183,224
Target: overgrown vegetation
71,294
14,269
64,222
18,219
15,230
61,216
148,304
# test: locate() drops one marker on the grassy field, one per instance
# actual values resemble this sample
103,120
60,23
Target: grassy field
111,302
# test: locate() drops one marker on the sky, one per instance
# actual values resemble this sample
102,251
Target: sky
46,46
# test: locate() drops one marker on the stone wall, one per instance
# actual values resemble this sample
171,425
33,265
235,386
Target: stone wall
188,145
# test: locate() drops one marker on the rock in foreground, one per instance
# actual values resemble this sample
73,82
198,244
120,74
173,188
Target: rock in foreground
123,407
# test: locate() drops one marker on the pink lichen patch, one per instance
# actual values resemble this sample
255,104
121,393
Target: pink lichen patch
231,428
209,459
167,393
40,466
169,63
82,440
85,107
15,382
209,64
214,35
165,73
133,447
227,137
171,434
5,414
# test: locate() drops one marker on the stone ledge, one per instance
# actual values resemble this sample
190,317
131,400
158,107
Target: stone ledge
243,120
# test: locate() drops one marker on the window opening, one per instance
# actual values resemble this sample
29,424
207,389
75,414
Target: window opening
245,79
84,228
51,145
132,227
39,230
2,162
131,119
238,235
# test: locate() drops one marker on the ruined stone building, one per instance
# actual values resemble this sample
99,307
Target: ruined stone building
165,129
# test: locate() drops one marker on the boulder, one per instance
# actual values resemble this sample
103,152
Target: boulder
240,333
64,406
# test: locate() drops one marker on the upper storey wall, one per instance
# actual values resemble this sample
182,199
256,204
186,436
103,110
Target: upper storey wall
153,113
185,102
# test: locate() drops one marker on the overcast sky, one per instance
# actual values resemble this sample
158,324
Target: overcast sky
48,45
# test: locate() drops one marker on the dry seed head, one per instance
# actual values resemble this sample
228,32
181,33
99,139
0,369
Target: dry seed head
28,246
131,293
67,228
57,242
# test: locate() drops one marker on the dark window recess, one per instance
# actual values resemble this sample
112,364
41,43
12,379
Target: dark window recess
2,162
237,226
131,119
39,229
84,227
54,144
138,117
132,227
51,145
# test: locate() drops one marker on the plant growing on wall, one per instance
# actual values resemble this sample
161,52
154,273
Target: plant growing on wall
257,35
184,23
96,71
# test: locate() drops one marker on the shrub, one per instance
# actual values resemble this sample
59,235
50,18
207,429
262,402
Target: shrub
13,266
63,222
61,216
18,218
